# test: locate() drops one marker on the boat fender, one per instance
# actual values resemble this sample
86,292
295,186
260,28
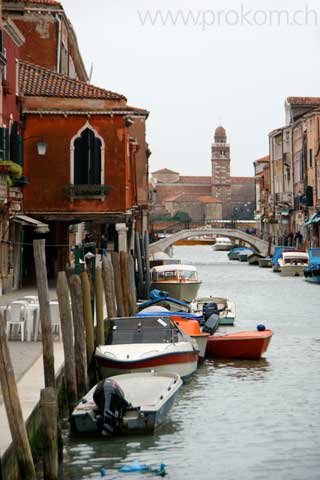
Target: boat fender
103,472
261,327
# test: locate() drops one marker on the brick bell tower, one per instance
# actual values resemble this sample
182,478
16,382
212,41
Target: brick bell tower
221,180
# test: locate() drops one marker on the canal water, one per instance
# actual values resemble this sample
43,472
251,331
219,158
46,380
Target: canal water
244,420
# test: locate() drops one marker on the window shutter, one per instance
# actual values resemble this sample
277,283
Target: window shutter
4,142
16,150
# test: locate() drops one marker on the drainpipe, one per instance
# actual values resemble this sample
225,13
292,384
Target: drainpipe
58,42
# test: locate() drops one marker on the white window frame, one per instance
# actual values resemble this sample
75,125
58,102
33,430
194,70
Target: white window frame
74,138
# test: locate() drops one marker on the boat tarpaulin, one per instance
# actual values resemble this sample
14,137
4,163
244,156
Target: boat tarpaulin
38,226
315,218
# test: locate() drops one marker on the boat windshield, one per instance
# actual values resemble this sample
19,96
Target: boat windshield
142,330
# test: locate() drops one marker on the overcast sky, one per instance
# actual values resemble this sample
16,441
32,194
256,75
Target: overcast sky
229,62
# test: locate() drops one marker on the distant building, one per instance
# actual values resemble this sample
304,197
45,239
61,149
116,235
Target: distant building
205,198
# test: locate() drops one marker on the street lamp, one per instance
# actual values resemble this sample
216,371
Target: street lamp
42,146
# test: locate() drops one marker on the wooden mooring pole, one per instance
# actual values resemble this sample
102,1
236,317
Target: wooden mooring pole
147,263
140,266
99,308
45,313
117,283
68,339
124,281
132,286
87,311
49,412
109,287
79,335
13,409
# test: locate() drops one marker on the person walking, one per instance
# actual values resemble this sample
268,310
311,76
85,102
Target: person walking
298,237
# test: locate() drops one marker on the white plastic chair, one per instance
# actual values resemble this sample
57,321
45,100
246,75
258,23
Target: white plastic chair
31,298
16,316
55,318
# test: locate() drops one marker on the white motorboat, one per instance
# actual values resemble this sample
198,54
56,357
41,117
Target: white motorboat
293,263
132,403
226,308
180,281
138,344
222,244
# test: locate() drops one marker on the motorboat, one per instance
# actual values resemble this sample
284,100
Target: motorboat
236,251
265,262
278,250
312,271
137,344
254,258
293,264
249,345
222,244
198,327
123,404
180,281
193,329
226,308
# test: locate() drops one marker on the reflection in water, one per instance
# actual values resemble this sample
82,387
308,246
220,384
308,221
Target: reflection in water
244,420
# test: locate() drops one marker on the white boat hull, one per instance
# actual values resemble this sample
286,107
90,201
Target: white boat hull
151,396
180,358
292,270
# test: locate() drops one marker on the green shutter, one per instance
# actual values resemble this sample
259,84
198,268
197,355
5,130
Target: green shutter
4,143
16,147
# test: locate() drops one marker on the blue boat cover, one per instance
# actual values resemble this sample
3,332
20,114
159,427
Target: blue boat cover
314,256
240,250
158,296
189,316
277,254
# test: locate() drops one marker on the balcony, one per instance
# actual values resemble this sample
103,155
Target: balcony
88,191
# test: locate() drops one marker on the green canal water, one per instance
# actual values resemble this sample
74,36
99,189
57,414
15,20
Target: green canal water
244,420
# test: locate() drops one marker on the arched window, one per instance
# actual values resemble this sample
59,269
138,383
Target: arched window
87,159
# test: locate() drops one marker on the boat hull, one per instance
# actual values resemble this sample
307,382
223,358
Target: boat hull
313,279
265,263
247,345
182,363
222,248
146,419
233,256
243,257
185,291
292,270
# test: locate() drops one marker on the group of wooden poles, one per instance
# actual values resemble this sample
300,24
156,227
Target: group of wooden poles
114,281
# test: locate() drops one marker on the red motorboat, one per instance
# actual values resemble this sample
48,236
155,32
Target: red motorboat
239,345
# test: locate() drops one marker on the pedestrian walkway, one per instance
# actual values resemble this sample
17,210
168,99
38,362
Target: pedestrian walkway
27,363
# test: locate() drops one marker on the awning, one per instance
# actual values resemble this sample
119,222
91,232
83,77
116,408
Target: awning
315,218
285,212
38,226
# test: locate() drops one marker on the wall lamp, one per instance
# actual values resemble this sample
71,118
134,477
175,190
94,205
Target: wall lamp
42,146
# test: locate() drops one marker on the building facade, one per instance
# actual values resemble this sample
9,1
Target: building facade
294,201
204,198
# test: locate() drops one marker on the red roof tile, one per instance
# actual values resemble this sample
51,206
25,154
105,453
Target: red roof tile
242,180
263,159
165,170
42,82
40,2
195,179
304,100
187,197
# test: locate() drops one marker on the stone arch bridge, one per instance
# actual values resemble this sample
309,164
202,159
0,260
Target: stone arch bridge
259,245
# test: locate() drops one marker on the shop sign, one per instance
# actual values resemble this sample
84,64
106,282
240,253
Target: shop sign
3,188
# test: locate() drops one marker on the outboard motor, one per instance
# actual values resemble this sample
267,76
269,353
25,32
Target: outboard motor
208,309
112,405
211,325
210,313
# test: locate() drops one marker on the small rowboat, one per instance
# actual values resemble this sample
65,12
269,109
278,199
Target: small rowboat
138,403
250,345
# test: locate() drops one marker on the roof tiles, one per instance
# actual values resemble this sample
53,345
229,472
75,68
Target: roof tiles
42,82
